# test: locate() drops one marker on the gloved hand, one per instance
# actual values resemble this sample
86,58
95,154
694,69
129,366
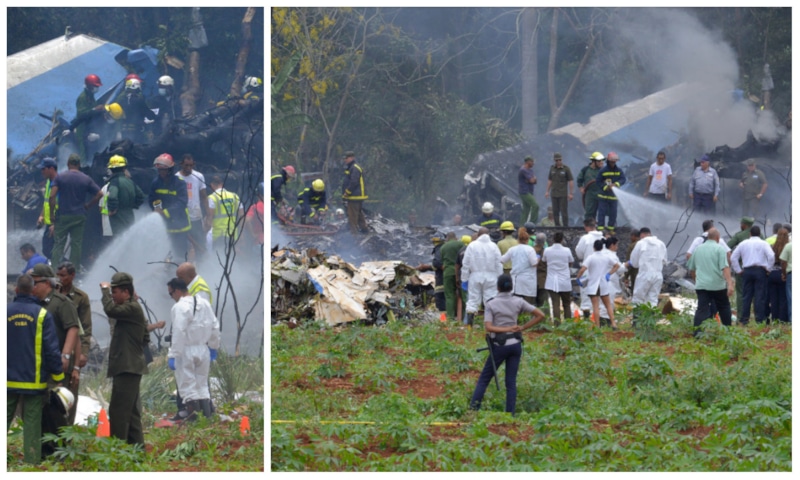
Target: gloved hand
213,353
465,285
578,280
630,265
608,277
93,137
171,363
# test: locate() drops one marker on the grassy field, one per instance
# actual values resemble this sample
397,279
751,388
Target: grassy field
394,398
200,446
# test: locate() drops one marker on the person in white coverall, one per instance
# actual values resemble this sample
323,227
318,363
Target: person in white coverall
649,256
479,272
585,248
195,340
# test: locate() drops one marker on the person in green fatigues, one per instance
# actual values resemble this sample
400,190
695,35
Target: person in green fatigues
753,185
123,196
126,361
587,183
508,241
745,223
449,254
83,105
560,185
527,180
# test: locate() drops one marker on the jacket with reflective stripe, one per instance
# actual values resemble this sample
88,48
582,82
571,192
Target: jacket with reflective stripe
200,285
226,206
174,200
617,177
353,185
31,348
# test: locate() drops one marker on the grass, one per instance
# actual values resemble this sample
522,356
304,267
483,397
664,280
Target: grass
395,397
205,445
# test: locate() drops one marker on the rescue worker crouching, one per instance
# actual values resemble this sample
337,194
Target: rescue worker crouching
276,183
313,203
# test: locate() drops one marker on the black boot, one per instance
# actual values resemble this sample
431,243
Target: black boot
192,409
205,407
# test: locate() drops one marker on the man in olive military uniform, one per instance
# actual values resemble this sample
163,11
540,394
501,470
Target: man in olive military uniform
560,186
753,184
79,298
68,330
745,224
587,184
126,362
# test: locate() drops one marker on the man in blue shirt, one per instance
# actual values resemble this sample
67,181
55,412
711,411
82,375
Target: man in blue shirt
29,254
530,209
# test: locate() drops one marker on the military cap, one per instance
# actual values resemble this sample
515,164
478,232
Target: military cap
349,154
48,162
43,270
121,278
747,220
556,156
750,162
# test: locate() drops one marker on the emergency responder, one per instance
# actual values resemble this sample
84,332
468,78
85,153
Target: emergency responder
195,340
479,272
33,359
66,278
123,196
587,183
251,88
102,126
85,104
508,241
313,202
609,177
649,256
165,105
49,168
168,198
126,361
225,214
585,248
449,254
438,271
753,185
488,217
276,183
560,187
254,219
68,331
132,101
354,194
527,180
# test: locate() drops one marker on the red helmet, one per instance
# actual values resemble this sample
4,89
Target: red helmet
289,170
92,80
612,156
132,75
164,161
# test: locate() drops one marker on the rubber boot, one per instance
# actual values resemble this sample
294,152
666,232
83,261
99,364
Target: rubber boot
205,407
192,409
470,318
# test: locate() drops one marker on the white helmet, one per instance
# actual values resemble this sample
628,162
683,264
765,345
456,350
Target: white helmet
63,398
487,207
339,211
166,81
133,84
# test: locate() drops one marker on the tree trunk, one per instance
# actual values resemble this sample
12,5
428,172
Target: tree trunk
190,96
244,51
530,72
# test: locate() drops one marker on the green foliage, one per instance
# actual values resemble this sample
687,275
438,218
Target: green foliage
646,317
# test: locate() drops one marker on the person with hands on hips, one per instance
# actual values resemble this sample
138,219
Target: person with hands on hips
505,339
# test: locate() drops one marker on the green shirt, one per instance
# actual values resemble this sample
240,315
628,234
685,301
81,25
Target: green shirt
504,244
708,261
559,178
753,181
786,256
126,352
449,253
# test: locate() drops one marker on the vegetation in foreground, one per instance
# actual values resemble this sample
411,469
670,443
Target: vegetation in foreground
395,398
201,446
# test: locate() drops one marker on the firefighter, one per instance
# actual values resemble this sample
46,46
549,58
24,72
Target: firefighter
276,183
313,202
489,218
169,198
608,178
587,183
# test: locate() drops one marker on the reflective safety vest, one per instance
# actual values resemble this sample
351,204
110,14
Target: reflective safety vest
38,382
48,218
200,285
226,205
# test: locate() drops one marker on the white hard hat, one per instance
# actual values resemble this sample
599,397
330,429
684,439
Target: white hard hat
63,398
339,211
487,207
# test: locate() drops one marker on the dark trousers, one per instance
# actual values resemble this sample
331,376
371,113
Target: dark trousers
511,355
707,302
704,203
124,409
751,207
560,213
565,298
69,226
32,422
606,208
789,294
47,244
355,217
590,206
778,305
659,197
754,291
180,246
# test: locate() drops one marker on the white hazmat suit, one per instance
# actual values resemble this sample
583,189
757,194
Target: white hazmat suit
481,267
195,329
649,256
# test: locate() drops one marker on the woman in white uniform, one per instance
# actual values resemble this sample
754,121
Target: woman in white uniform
523,267
599,268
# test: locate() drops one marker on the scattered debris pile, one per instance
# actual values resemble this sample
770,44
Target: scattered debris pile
308,285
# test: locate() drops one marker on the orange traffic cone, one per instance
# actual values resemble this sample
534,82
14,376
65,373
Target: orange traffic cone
718,320
576,315
443,317
244,425
103,427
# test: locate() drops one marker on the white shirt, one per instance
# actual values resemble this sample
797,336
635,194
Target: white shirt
700,240
523,268
660,173
585,245
558,258
194,183
597,265
753,252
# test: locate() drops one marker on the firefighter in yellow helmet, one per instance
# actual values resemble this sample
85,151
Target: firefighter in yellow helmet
313,202
508,241
96,129
122,196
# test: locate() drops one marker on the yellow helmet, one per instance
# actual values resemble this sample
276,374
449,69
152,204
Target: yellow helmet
597,156
318,185
117,161
507,226
115,110
465,239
